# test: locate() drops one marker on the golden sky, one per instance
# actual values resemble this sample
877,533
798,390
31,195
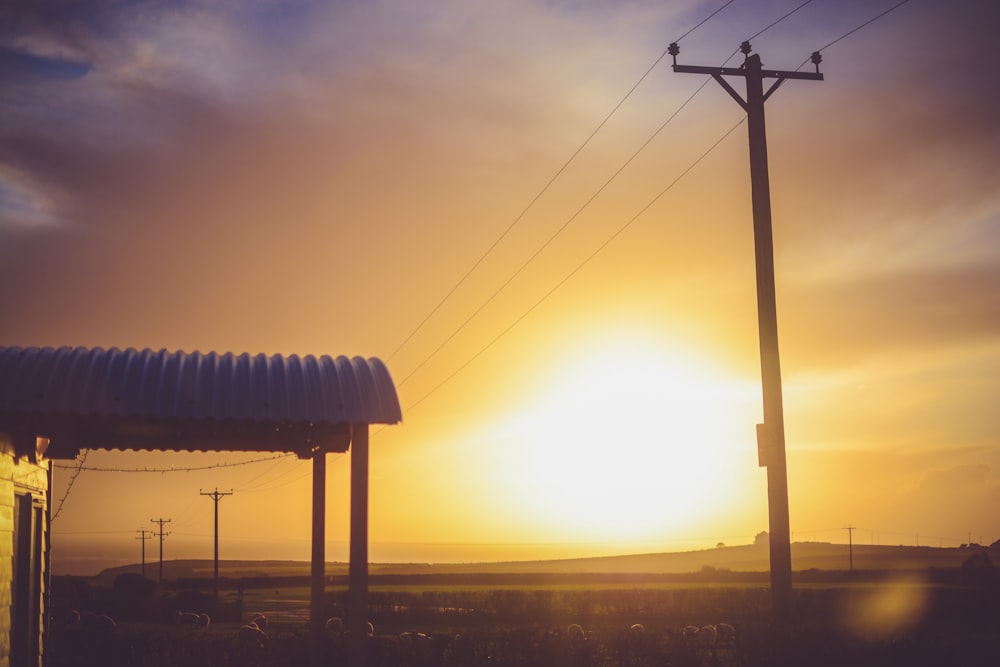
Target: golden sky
315,178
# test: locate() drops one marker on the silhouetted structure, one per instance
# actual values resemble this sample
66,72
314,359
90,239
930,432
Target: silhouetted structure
144,535
161,535
55,402
216,496
770,434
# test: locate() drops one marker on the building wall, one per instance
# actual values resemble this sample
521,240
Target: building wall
22,478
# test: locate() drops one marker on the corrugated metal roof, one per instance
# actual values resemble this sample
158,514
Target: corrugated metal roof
93,382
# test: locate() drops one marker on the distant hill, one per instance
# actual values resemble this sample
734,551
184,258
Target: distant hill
746,558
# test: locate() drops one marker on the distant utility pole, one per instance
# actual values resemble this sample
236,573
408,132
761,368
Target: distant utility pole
144,535
216,496
770,434
850,545
160,522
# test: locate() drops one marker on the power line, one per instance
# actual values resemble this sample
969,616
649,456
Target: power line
865,24
587,260
701,23
278,486
590,200
551,238
545,188
264,472
172,468
761,32
578,267
72,480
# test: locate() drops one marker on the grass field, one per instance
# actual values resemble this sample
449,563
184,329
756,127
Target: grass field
917,617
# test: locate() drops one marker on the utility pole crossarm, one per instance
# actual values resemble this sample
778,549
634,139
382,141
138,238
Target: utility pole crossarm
740,71
718,73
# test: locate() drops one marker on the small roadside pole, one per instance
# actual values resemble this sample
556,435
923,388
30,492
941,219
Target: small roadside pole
850,546
161,534
770,434
216,496
144,535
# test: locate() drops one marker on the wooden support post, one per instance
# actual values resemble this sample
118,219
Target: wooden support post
357,613
317,622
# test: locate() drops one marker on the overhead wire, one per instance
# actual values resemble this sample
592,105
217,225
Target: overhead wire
597,193
851,32
576,270
81,467
69,485
618,232
249,483
278,486
587,203
776,22
549,240
545,188
266,484
212,466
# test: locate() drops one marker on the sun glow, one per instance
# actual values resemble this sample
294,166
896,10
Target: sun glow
631,443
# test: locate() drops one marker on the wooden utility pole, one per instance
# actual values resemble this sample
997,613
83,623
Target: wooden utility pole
144,535
160,522
216,496
850,546
770,434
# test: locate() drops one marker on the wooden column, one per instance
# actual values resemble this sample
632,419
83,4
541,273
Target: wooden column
317,622
357,611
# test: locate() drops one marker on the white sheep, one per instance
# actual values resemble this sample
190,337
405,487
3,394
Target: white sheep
725,651
637,628
335,625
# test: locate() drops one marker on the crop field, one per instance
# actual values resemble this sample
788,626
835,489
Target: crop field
896,621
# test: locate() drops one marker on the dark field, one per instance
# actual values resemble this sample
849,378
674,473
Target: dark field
920,618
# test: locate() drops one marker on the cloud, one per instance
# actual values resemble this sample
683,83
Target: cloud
27,206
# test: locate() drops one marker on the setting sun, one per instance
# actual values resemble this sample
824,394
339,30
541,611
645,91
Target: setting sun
630,442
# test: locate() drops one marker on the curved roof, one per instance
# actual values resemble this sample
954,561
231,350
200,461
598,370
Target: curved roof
40,386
